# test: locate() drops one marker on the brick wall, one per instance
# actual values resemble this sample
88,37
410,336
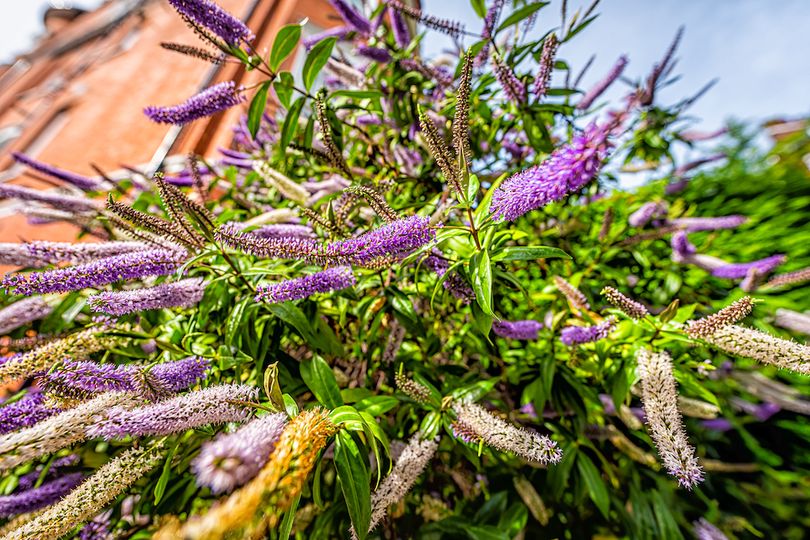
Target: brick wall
76,99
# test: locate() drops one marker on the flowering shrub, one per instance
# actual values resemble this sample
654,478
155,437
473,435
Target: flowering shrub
408,304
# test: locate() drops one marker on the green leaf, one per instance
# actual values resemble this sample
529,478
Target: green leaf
482,282
284,88
483,322
322,339
529,253
474,391
284,44
328,342
290,406
472,188
597,490
483,207
348,417
290,125
485,532
352,395
285,528
431,424
520,14
319,378
480,7
315,61
163,481
355,482
256,110
579,28
377,405
358,94
235,319
376,438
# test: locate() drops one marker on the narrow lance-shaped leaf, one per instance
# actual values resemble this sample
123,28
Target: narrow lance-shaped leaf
284,44
319,378
316,60
256,110
354,481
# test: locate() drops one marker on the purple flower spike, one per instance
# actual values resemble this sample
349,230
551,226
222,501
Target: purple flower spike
234,458
676,187
351,16
83,379
706,531
607,403
402,34
216,19
368,120
490,20
23,312
717,424
339,32
25,412
543,77
36,498
740,270
180,374
213,405
512,86
56,200
377,54
567,170
333,279
212,100
575,335
600,87
29,480
78,253
183,293
648,211
523,330
97,529
681,247
455,284
764,411
81,182
709,223
283,230
156,262
379,246
685,168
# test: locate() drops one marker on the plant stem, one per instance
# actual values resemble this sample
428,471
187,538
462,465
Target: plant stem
473,230
235,269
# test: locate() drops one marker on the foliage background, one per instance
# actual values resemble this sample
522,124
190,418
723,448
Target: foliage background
329,348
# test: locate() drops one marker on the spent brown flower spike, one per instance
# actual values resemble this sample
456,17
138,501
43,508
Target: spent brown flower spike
461,119
631,308
575,298
418,392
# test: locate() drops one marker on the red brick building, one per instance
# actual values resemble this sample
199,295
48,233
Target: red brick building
76,99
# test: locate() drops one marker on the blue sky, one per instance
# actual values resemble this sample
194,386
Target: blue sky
757,48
